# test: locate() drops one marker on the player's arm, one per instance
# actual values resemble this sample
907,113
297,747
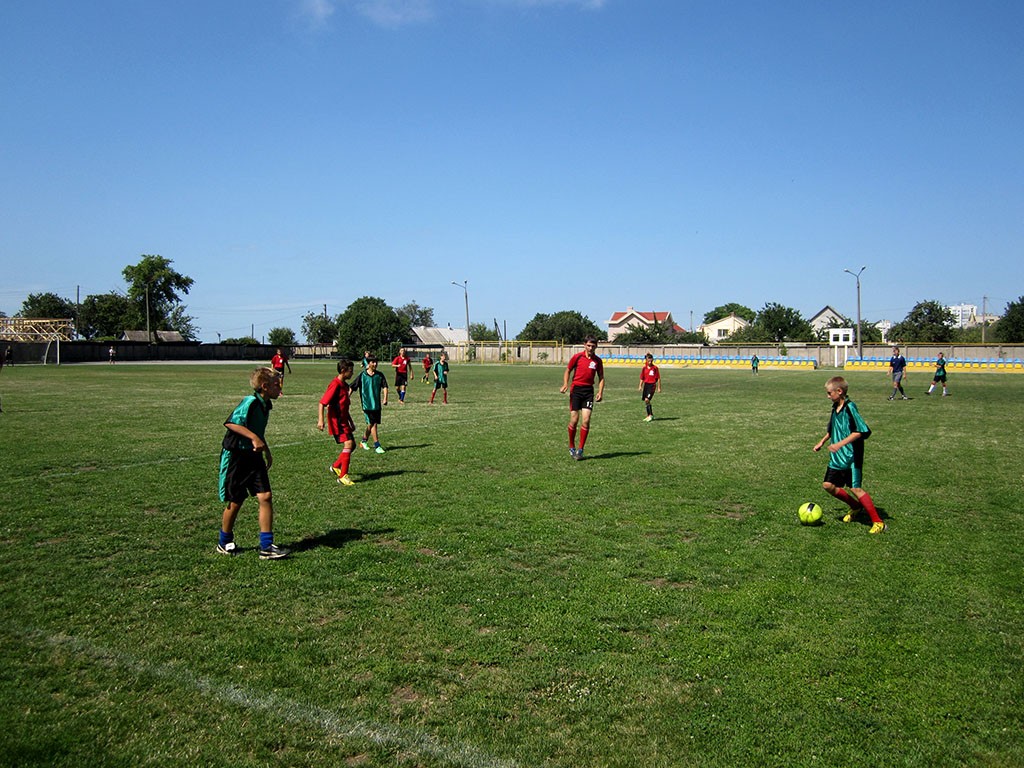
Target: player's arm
320,416
845,441
600,386
384,392
565,381
257,442
821,443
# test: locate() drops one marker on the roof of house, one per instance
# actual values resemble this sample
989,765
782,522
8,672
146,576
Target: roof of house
646,318
434,336
164,336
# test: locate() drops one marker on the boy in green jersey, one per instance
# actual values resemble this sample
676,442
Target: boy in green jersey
440,372
243,469
845,437
940,376
373,395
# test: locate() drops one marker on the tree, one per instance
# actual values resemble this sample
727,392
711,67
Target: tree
655,333
104,315
480,332
728,309
281,337
48,306
318,329
413,314
928,322
1009,329
369,323
780,323
567,326
182,323
154,285
241,340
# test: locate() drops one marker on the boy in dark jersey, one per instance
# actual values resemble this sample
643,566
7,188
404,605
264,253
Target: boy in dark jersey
373,395
243,471
583,367
650,381
940,376
845,436
898,371
440,372
339,422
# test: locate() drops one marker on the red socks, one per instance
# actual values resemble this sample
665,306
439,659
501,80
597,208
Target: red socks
572,437
583,437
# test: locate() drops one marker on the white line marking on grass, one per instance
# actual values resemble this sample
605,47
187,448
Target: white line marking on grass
383,734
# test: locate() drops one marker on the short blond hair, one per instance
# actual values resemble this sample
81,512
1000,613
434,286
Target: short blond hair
838,382
263,375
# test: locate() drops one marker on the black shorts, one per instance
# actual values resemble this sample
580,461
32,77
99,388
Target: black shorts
844,478
401,379
242,474
372,417
440,385
940,377
648,391
581,398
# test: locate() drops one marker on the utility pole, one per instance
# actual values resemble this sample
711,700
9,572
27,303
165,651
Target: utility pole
860,345
984,314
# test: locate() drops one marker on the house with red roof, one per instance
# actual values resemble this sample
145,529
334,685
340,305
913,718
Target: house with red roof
620,322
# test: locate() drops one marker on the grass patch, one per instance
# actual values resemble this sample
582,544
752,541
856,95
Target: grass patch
479,599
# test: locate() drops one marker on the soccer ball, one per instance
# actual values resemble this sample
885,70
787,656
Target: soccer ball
810,513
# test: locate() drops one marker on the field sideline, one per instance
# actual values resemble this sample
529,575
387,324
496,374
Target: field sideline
479,599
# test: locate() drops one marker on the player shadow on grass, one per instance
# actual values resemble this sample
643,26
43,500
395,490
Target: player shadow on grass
615,455
393,448
368,476
335,539
861,517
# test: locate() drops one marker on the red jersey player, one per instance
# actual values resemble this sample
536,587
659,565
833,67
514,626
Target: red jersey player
584,367
401,366
650,380
339,421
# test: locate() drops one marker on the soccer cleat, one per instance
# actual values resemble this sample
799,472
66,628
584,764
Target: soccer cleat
572,453
274,552
335,470
579,454
890,397
378,449
848,517
365,447
904,397
928,393
227,549
878,527
346,480
649,418
945,394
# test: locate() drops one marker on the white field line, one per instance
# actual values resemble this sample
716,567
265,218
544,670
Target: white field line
393,737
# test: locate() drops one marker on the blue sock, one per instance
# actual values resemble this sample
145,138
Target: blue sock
376,444
266,539
401,395
226,538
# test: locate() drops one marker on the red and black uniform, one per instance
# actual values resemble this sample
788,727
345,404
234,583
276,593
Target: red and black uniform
337,398
581,387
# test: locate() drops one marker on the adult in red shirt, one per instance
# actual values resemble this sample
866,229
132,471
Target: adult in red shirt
650,380
401,366
278,363
584,367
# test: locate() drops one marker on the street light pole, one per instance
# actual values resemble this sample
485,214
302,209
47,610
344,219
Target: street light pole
860,344
464,285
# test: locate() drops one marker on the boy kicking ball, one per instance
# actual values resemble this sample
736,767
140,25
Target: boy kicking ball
845,438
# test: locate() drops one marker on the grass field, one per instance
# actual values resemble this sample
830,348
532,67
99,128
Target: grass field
479,599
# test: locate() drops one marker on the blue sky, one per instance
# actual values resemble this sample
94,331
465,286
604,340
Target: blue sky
557,154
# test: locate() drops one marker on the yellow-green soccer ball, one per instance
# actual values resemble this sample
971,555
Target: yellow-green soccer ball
810,513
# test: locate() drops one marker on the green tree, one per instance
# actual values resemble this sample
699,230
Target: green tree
728,309
655,333
413,314
751,334
318,329
369,323
47,306
1009,329
929,322
241,340
567,326
154,284
281,337
480,332
781,323
182,323
104,315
